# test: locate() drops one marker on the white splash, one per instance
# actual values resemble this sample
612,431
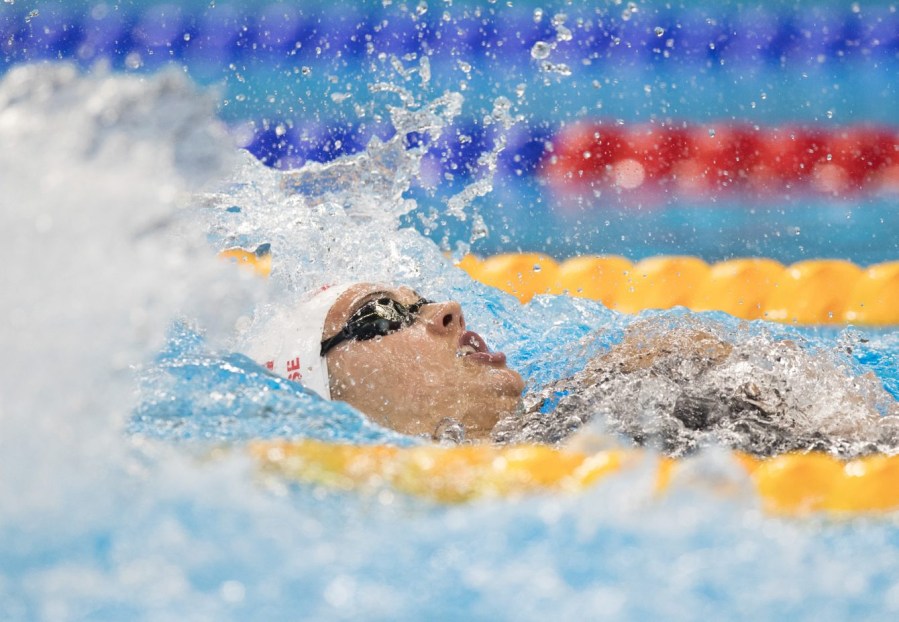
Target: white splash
93,171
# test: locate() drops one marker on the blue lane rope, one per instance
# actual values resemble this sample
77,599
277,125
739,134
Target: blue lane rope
755,36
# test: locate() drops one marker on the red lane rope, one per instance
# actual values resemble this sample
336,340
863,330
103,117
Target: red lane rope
723,158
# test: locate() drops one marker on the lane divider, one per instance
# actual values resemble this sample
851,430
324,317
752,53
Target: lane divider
644,161
716,158
790,484
258,260
815,291
235,32
819,291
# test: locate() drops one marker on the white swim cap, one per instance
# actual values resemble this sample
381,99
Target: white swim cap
289,343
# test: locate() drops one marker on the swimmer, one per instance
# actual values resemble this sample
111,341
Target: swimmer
412,365
408,363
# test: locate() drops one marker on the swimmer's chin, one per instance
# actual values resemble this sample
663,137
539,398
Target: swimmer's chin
480,427
507,381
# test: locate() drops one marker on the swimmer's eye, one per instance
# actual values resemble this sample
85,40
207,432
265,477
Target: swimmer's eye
376,318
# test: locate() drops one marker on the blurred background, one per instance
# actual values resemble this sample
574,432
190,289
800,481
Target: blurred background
720,130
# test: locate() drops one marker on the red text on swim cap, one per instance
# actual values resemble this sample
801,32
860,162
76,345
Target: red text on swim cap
293,367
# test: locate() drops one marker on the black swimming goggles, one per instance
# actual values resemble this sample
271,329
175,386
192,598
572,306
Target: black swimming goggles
376,318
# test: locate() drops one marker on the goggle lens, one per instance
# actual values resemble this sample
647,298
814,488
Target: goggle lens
376,318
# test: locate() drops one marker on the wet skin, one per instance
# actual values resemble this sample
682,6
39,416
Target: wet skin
414,378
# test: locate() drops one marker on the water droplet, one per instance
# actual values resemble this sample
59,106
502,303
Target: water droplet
711,132
541,50
562,33
659,31
133,61
538,14
479,229
558,68
424,70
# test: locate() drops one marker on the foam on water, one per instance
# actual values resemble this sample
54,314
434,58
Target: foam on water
98,177
682,383
91,172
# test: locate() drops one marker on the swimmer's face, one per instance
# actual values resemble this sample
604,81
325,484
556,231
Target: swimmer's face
411,379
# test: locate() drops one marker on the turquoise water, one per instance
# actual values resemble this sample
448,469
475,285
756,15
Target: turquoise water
125,490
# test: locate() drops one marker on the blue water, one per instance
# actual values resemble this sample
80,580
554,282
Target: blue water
195,395
154,511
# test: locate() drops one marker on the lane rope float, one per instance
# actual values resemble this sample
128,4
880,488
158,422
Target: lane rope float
716,158
816,291
790,484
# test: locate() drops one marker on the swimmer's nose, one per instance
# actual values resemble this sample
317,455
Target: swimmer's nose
445,317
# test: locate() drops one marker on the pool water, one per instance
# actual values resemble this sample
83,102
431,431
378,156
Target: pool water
125,489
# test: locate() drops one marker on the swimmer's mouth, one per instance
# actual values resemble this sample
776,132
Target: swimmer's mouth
473,346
